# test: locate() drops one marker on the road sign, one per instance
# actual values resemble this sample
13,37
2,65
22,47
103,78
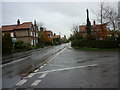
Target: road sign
13,39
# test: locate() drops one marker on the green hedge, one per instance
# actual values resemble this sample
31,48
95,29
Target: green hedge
20,46
95,43
7,44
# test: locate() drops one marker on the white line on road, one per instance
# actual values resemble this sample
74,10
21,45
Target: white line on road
36,70
31,75
35,83
53,57
57,54
45,64
21,82
43,75
78,67
48,61
41,67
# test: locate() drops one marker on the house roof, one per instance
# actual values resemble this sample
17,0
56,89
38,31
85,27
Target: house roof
94,27
8,27
56,36
24,25
47,32
13,27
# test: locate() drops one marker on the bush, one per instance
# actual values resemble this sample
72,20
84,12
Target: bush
56,41
96,43
7,44
20,46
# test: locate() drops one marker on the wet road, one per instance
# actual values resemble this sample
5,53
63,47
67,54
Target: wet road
71,68
12,72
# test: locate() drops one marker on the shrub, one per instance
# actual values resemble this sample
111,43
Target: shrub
7,44
20,46
96,43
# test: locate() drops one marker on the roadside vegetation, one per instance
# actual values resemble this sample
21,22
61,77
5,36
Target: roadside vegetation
19,46
89,41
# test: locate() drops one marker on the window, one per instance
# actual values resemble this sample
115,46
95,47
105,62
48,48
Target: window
36,34
31,34
49,35
12,34
31,42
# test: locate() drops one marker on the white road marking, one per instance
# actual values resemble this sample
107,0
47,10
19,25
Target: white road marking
36,70
48,61
41,67
35,83
57,54
45,64
21,82
78,67
29,76
43,75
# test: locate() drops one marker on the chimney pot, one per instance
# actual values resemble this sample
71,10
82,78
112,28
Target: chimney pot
18,22
94,22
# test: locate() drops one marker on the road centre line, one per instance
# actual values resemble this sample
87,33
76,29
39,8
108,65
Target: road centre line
30,75
57,54
48,61
43,75
78,67
36,70
53,57
41,67
35,83
21,82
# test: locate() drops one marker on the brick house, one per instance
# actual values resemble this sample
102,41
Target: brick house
57,36
22,32
98,30
47,36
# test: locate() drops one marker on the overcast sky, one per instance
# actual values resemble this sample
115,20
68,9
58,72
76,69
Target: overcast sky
56,16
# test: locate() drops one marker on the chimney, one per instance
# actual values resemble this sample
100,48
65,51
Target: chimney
41,28
54,34
94,22
18,22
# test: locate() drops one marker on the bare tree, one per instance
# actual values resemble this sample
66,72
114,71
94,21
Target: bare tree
108,14
75,28
75,31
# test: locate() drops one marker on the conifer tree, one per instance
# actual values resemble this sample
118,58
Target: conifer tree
88,26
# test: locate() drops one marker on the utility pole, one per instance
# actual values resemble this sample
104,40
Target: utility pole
119,15
102,20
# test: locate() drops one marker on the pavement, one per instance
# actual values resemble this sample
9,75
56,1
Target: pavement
73,68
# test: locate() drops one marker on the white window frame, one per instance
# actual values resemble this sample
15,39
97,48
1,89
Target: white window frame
12,34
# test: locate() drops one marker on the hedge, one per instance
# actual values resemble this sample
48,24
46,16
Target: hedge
96,43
